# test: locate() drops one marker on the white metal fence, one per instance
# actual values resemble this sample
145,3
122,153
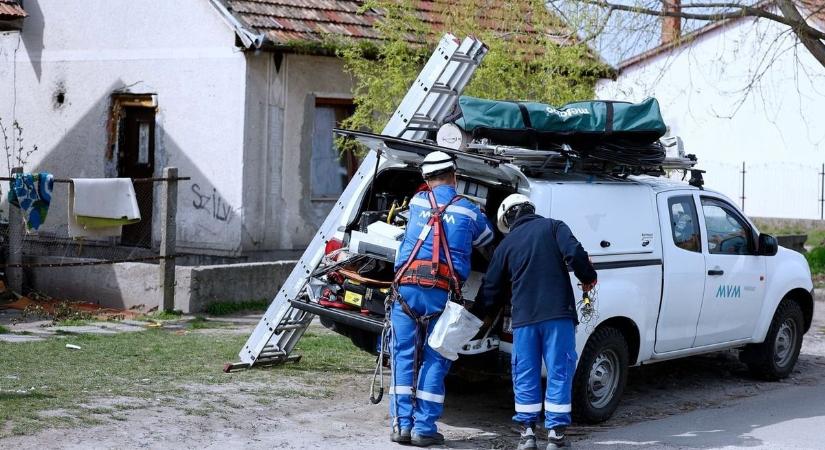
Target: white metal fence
785,189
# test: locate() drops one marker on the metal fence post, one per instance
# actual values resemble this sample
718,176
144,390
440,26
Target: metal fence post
822,193
743,186
14,275
168,211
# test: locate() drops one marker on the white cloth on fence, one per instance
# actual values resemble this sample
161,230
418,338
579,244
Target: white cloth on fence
104,198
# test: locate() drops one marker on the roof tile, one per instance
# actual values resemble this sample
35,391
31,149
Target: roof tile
287,21
11,9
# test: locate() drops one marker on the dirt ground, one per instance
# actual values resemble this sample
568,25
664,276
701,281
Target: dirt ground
231,416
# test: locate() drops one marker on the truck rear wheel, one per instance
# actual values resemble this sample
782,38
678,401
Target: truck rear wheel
600,376
776,357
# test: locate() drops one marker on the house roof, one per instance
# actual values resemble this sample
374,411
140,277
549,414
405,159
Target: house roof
286,22
11,9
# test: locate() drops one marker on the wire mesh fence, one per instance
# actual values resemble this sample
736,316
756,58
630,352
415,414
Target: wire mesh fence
787,190
41,231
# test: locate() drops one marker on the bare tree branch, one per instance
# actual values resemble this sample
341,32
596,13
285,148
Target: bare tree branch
814,45
729,11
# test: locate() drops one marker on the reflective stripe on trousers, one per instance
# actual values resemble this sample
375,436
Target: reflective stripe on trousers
554,342
429,402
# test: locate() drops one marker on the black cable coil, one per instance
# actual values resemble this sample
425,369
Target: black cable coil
627,153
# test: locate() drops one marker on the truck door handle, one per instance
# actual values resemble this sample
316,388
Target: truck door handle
716,272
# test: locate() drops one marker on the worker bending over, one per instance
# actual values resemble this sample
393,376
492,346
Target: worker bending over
433,261
533,261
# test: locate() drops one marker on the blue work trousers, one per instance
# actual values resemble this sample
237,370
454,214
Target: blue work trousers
554,342
429,402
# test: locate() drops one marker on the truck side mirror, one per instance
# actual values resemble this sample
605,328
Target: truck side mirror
768,246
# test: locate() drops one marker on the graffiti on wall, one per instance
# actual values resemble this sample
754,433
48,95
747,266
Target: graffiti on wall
213,204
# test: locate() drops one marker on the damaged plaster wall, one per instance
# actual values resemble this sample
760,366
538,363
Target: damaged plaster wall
306,78
57,78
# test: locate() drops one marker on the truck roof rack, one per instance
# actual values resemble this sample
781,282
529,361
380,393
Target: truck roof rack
534,162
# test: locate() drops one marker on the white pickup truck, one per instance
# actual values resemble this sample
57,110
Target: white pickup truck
681,270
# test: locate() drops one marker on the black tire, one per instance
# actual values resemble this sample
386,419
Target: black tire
596,399
776,357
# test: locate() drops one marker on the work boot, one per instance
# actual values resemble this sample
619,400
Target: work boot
420,440
556,439
400,435
528,438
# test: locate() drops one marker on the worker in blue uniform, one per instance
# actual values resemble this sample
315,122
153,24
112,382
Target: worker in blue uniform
533,261
433,259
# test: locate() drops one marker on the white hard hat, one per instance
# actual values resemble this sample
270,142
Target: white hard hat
509,202
437,163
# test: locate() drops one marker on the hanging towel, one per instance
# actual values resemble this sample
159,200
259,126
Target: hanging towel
32,193
99,207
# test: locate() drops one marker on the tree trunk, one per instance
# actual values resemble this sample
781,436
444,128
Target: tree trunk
815,46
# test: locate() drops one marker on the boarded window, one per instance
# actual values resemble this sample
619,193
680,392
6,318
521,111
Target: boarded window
330,170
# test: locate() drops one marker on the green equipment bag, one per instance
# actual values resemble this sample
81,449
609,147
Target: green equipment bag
537,125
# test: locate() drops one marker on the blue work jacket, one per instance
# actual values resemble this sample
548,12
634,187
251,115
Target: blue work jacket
464,224
533,261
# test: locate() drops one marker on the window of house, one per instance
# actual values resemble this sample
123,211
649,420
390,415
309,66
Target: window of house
727,232
684,223
330,169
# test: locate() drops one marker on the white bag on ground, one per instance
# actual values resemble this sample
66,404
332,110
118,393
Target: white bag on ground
453,330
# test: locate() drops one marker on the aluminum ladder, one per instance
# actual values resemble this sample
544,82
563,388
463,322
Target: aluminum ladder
428,102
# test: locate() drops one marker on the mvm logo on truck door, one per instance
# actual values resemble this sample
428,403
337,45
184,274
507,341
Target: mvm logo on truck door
728,291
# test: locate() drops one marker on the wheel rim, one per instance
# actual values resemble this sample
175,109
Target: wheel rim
785,343
604,379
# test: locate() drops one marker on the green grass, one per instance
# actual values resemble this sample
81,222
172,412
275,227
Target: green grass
816,259
201,323
226,308
165,315
4,330
153,364
72,322
816,236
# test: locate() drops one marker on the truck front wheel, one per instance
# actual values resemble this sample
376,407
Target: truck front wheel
776,357
600,376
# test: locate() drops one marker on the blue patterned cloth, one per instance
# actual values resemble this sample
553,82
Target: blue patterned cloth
32,193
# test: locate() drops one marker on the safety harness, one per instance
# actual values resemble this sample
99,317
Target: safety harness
427,274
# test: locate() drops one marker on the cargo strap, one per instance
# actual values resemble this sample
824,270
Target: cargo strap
437,275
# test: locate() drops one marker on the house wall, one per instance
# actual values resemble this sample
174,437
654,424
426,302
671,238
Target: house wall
183,52
748,93
281,93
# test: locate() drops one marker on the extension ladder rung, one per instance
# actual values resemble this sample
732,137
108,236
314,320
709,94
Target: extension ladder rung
440,88
295,326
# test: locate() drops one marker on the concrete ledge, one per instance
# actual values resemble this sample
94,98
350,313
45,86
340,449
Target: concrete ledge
794,242
798,224
233,283
125,285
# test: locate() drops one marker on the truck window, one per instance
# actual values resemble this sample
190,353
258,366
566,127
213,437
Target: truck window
727,232
684,223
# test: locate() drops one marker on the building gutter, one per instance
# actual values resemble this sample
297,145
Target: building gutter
248,37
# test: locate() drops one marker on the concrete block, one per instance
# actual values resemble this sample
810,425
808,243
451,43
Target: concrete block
121,285
126,285
236,283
